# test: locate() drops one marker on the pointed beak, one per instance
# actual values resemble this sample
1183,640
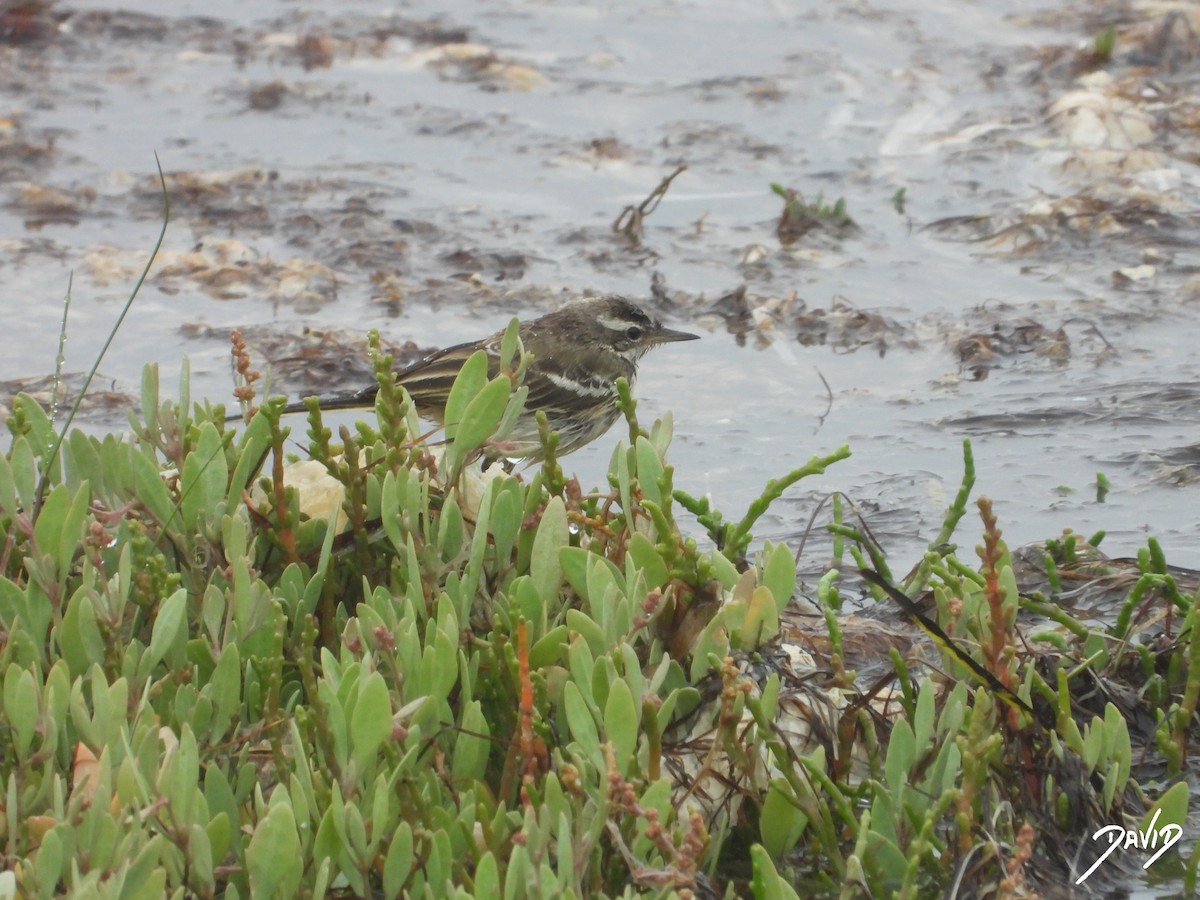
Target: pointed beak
669,336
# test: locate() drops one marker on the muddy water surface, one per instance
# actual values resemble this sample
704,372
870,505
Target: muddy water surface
1018,270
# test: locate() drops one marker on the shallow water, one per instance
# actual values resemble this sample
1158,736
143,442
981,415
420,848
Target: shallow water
339,166
432,169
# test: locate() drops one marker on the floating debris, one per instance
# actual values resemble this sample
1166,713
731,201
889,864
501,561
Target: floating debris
99,403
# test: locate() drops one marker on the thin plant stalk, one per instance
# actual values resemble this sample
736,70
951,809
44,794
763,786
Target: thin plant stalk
87,382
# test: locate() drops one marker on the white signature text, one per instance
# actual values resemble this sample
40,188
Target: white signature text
1131,838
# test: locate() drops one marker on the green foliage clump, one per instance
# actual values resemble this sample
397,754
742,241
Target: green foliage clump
385,670
799,217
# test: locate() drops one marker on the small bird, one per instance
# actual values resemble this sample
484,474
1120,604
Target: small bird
578,351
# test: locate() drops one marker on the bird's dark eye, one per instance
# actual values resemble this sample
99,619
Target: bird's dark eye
633,332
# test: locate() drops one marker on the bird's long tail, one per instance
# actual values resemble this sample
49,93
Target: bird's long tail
359,399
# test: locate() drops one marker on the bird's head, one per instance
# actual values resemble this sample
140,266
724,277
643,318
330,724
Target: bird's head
613,323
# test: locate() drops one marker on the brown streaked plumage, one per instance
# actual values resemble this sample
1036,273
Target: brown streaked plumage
579,352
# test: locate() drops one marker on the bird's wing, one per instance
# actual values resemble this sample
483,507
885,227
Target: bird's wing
554,387
429,380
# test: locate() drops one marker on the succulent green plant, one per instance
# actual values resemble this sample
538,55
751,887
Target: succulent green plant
383,670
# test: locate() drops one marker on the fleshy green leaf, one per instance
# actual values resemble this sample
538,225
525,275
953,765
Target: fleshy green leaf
205,478
150,488
574,561
468,383
250,455
79,636
21,707
487,877
782,822
766,882
649,470
545,565
168,628
483,414
621,723
472,745
1172,809
779,574
273,854
399,860
648,560
371,719
581,723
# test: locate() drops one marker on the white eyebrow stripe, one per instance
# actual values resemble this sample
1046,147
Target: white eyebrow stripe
615,324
